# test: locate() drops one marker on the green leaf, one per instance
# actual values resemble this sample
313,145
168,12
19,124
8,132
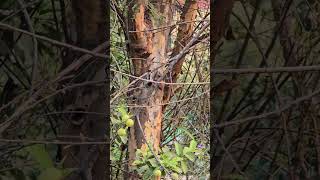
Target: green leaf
188,154
41,156
186,131
153,162
124,139
51,174
178,148
122,109
165,149
148,174
142,169
175,176
184,166
177,159
193,145
115,121
186,150
139,152
137,162
177,169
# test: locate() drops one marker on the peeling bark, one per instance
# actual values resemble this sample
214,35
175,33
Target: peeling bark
185,32
148,51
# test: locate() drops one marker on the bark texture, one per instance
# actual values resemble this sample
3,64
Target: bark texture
148,50
87,28
185,33
220,11
148,53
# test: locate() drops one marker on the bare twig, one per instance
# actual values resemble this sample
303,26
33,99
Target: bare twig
52,41
27,141
267,70
262,116
34,70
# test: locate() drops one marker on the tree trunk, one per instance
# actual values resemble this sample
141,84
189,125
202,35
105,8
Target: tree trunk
87,27
148,51
184,35
148,48
219,22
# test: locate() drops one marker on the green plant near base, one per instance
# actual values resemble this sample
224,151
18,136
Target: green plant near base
176,160
122,121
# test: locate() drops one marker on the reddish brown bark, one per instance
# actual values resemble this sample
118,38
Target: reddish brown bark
185,32
148,51
220,20
202,4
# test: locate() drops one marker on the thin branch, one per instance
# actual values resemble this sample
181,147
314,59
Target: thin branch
267,70
52,41
26,141
228,153
35,44
157,82
273,113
